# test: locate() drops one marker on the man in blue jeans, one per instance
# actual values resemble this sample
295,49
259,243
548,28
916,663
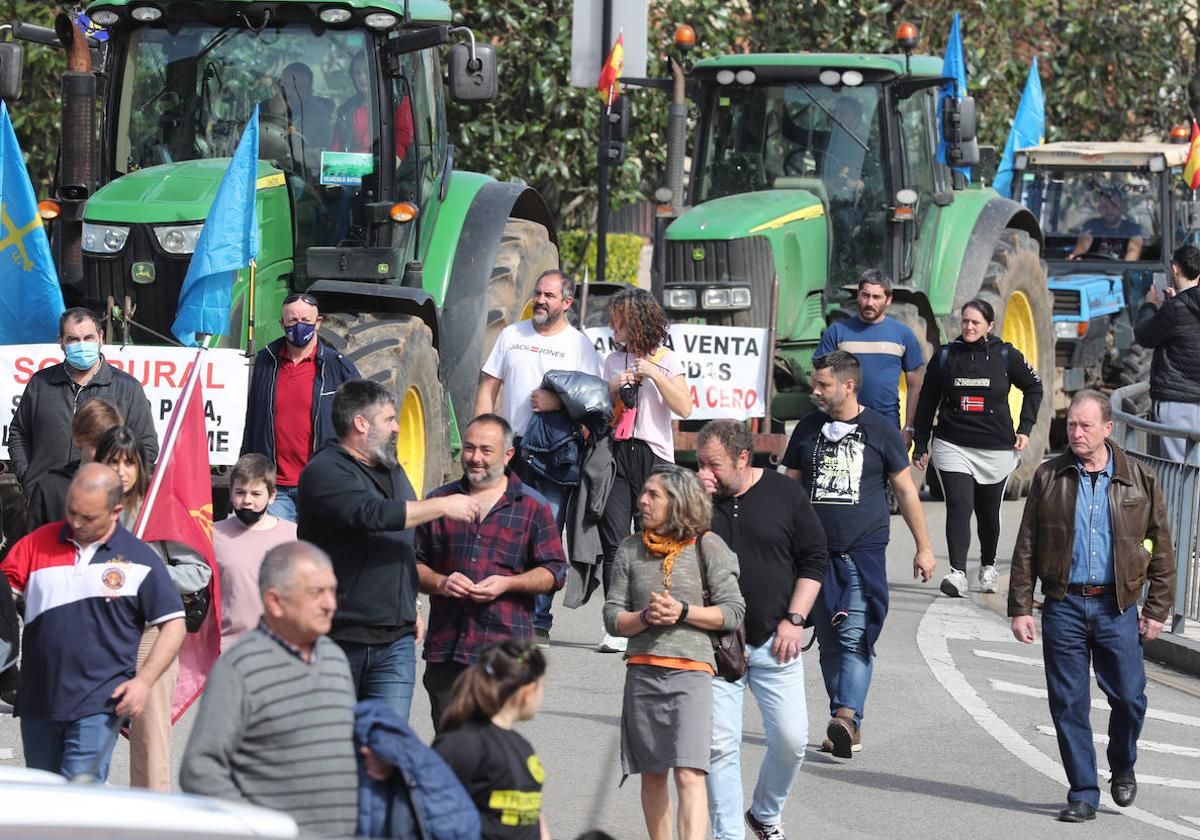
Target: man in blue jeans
844,454
357,505
90,589
1093,532
769,523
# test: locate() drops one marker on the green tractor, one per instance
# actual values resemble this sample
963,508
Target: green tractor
416,265
808,169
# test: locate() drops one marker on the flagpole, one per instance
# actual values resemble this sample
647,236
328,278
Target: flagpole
602,178
164,455
250,310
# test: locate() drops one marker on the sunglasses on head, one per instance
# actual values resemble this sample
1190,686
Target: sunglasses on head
303,297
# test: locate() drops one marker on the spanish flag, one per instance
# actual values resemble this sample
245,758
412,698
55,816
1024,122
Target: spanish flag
1191,170
608,86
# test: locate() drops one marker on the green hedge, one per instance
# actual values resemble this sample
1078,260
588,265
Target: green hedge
621,266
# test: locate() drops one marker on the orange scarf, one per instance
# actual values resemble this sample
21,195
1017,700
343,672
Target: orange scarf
668,549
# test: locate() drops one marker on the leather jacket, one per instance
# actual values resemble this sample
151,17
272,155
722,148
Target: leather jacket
1047,535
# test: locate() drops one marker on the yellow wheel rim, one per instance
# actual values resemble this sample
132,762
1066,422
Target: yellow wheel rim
527,312
410,443
1019,331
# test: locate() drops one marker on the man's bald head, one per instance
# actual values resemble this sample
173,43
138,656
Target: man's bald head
93,503
98,478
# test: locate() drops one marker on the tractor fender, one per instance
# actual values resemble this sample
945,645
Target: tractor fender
464,307
353,297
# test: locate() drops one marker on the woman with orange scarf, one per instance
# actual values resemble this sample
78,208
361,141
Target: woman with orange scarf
657,600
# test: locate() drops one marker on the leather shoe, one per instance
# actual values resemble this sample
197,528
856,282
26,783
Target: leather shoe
1124,789
1077,812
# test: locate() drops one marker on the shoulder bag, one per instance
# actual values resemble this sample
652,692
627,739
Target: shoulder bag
729,646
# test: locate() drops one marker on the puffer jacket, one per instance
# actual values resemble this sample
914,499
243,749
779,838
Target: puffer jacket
1173,330
1047,535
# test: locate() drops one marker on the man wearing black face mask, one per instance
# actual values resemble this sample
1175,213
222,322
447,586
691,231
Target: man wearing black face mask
289,414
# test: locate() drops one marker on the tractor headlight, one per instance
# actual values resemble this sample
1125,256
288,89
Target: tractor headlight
381,20
726,298
1069,329
178,239
680,298
104,238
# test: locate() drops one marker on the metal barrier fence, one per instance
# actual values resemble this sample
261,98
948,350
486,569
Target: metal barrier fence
1180,481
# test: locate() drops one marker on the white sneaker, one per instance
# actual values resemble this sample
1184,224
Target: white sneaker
987,578
955,584
612,644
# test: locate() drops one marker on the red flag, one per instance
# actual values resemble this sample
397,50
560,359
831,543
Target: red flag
179,508
613,66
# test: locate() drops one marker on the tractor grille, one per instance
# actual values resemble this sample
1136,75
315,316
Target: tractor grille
743,262
1066,302
154,303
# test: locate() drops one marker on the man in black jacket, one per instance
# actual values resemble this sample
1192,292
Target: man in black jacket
356,504
289,412
40,435
1173,330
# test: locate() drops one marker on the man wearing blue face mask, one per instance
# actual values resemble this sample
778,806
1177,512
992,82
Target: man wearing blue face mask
40,435
289,414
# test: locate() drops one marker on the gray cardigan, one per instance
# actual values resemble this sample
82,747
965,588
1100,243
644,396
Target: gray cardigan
637,573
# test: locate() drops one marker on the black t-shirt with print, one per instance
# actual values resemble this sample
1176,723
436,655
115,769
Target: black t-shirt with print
502,774
846,478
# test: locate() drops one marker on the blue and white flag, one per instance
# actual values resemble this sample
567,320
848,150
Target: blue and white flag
31,298
955,69
228,242
1028,129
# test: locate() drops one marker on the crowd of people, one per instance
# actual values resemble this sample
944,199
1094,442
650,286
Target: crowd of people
709,576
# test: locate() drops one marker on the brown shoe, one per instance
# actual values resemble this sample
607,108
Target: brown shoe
855,745
842,733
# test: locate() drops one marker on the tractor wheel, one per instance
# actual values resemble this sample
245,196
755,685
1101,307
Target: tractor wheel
1015,286
1129,368
910,316
525,252
397,352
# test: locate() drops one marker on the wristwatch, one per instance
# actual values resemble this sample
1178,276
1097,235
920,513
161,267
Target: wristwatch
682,613
797,619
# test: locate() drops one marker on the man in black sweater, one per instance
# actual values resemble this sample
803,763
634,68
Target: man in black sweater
357,505
770,524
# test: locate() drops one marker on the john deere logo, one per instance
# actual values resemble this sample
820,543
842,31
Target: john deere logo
698,254
143,272
382,268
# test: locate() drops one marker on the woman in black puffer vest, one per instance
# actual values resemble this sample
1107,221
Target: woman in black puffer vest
975,447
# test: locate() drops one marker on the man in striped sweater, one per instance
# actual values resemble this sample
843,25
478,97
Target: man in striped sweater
276,722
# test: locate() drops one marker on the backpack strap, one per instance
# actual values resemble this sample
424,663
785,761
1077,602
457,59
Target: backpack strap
703,564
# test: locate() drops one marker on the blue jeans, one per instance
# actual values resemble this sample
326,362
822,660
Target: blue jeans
558,496
284,505
1079,631
779,690
70,747
845,658
384,672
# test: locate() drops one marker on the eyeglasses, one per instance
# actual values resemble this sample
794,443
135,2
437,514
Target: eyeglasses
303,297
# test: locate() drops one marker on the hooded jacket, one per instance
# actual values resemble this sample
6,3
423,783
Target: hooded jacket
1173,330
966,385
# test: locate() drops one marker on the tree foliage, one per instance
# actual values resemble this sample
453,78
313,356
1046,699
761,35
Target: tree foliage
36,116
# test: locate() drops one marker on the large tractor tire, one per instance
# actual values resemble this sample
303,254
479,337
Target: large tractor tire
1015,286
525,252
911,317
397,352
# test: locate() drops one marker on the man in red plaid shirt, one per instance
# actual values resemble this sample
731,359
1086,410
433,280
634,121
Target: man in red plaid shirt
482,576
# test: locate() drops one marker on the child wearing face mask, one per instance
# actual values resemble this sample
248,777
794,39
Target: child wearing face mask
240,542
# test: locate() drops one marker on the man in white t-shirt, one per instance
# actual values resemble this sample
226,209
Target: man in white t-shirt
524,352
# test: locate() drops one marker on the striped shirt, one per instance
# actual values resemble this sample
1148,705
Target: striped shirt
278,732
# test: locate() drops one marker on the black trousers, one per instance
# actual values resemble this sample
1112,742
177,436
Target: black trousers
965,495
635,461
439,682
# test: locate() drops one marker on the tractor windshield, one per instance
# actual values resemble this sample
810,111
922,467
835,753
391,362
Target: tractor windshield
807,136
1089,214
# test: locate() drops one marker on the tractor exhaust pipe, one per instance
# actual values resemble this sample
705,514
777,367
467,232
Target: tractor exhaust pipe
76,166
676,137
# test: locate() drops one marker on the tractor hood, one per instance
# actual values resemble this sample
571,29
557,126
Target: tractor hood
173,192
735,216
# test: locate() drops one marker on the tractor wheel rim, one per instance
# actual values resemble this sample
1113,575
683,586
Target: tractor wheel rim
1020,332
526,312
410,442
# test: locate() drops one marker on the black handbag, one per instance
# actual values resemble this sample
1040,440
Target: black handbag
195,604
729,646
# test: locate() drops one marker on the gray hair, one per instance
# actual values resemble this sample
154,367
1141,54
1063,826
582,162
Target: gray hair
876,277
496,420
357,397
567,286
689,512
278,569
1101,401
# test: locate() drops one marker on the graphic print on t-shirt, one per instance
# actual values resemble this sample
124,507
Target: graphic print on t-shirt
838,468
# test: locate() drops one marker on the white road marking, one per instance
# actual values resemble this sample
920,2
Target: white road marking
943,620
1101,705
1192,820
1009,657
1149,746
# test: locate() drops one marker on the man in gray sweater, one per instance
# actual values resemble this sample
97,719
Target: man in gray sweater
276,721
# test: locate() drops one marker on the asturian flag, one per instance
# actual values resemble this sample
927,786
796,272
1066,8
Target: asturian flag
179,508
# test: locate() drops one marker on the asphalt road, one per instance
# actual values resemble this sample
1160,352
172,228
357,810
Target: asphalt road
957,740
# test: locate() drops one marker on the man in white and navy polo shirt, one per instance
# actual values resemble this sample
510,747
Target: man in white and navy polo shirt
90,588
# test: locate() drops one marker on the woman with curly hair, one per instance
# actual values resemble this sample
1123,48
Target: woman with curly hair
647,383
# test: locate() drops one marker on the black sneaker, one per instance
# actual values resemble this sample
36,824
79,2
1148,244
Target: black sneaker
541,637
763,831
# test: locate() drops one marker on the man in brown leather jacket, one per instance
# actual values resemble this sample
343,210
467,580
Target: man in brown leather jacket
1093,532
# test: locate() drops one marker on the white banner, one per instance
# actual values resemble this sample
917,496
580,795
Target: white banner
161,372
726,367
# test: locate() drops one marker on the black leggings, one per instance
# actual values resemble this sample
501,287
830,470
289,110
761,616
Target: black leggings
964,495
635,461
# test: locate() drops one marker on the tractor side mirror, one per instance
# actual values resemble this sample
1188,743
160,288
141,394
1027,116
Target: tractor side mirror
958,120
473,76
12,62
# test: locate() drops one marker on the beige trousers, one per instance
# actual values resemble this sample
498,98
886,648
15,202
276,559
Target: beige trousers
150,732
